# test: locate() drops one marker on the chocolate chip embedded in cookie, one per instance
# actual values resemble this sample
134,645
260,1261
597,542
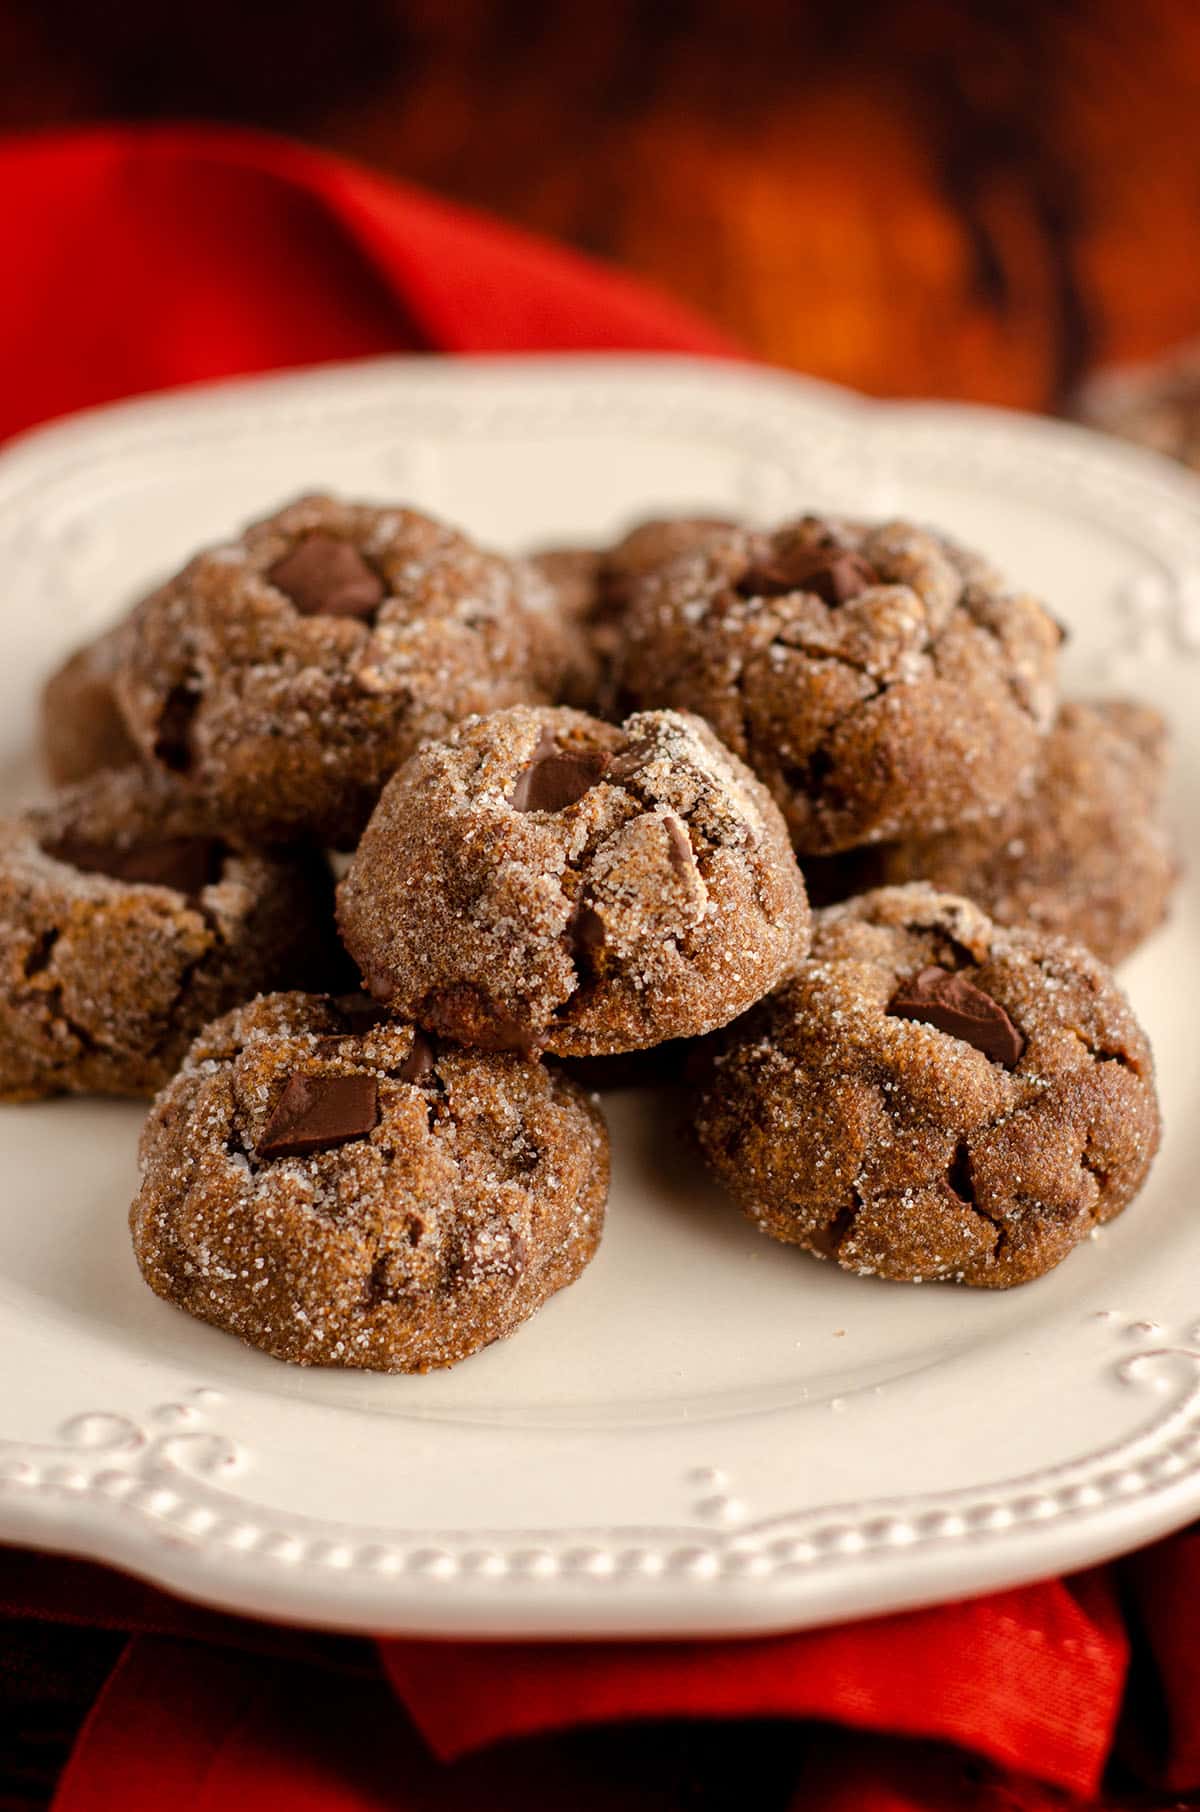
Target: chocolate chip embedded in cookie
128,925
541,879
1080,850
284,676
878,679
934,1096
82,728
350,1194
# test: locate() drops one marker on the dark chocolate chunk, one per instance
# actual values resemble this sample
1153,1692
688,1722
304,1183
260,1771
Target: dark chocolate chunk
171,742
954,1005
835,575
188,864
327,577
417,1067
625,765
359,1013
556,778
679,846
316,1113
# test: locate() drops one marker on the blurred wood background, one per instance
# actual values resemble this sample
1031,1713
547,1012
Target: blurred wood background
981,198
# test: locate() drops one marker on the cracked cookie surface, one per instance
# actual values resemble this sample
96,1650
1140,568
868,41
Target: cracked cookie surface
125,926
284,675
1080,850
338,1188
934,1096
878,679
541,879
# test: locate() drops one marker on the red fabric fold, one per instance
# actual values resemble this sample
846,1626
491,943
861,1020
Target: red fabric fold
1028,1678
144,258
1163,1590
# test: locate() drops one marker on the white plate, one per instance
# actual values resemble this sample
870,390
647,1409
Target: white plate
708,1432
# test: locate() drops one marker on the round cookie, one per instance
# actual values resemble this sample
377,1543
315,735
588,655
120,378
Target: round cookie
1081,849
593,587
82,729
878,679
340,1189
934,1096
126,925
543,880
285,675
1156,405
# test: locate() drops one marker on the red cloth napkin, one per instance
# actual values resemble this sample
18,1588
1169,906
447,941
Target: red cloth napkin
142,258
139,258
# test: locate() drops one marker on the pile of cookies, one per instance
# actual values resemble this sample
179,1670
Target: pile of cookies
579,803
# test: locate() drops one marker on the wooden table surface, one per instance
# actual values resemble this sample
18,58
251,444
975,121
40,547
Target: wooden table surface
980,198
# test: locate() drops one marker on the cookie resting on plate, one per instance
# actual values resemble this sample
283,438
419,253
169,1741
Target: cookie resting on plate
544,880
1081,849
82,729
126,925
878,679
934,1095
285,674
592,586
341,1189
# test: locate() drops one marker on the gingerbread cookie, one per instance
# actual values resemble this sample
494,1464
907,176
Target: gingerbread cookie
127,925
934,1096
81,724
593,587
1080,850
544,880
340,1189
878,679
285,675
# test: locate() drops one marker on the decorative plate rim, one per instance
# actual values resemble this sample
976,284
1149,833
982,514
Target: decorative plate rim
156,1492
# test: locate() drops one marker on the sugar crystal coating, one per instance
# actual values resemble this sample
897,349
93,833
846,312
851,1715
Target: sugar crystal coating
914,700
903,1151
287,710
1080,850
472,1192
541,879
111,963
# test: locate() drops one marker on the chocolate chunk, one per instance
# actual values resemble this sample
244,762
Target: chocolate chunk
954,1005
171,743
327,577
359,1013
188,864
679,846
417,1067
316,1113
832,574
556,778
624,766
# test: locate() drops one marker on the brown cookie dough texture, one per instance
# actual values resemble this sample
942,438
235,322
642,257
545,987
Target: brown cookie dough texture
541,879
934,1096
286,674
81,724
1081,849
125,926
345,1193
592,586
878,679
